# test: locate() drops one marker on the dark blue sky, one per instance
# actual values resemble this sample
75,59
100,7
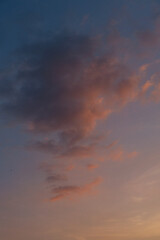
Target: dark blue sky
25,21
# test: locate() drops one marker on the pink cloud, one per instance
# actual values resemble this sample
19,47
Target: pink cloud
119,154
72,84
72,191
91,167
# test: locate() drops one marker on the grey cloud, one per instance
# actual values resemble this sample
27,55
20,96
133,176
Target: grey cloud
56,177
65,84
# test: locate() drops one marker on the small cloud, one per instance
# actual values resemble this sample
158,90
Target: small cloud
119,154
72,191
70,167
60,150
91,167
146,86
56,177
112,144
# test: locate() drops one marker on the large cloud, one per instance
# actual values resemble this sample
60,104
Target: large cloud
63,86
66,84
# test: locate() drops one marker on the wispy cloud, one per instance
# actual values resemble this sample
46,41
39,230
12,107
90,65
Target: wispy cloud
72,191
55,178
120,154
91,167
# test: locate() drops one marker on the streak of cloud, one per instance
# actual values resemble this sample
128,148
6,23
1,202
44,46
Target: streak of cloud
91,167
71,191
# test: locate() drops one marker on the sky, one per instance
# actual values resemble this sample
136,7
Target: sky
79,120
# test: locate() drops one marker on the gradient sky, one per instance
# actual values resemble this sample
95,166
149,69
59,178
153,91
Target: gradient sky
80,131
